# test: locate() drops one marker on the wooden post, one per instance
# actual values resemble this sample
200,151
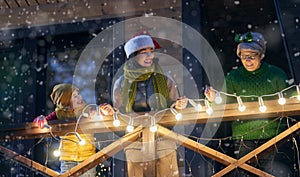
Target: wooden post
149,153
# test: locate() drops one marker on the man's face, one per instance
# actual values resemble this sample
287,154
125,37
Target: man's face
251,59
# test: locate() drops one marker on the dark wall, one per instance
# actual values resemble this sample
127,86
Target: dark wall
224,19
289,16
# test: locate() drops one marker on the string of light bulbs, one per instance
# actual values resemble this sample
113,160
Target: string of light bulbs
130,126
241,107
196,103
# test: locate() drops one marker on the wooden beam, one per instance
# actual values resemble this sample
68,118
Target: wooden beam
230,112
227,112
32,2
21,3
27,162
42,1
66,12
58,128
207,151
12,3
3,5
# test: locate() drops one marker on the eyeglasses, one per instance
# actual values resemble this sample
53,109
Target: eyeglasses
249,57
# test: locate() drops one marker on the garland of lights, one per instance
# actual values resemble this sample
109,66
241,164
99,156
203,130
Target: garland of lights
196,103
242,107
130,126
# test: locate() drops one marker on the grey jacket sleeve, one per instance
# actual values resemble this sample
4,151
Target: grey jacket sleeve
173,90
117,92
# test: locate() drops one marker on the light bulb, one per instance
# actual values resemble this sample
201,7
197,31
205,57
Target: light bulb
209,110
56,153
263,108
241,107
281,99
178,116
85,115
198,107
129,128
97,117
153,128
81,142
218,98
116,121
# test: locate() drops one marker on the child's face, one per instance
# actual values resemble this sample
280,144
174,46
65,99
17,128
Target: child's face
76,100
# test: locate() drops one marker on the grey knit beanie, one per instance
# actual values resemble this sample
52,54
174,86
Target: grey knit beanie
252,41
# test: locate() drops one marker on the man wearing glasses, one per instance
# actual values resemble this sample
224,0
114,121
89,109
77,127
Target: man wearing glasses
257,78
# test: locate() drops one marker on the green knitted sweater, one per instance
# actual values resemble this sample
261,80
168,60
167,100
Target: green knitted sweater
267,79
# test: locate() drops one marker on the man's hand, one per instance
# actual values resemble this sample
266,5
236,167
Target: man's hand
210,94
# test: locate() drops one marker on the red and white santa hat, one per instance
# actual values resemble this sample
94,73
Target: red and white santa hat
137,43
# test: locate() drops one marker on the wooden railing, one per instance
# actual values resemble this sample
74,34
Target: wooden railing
227,112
